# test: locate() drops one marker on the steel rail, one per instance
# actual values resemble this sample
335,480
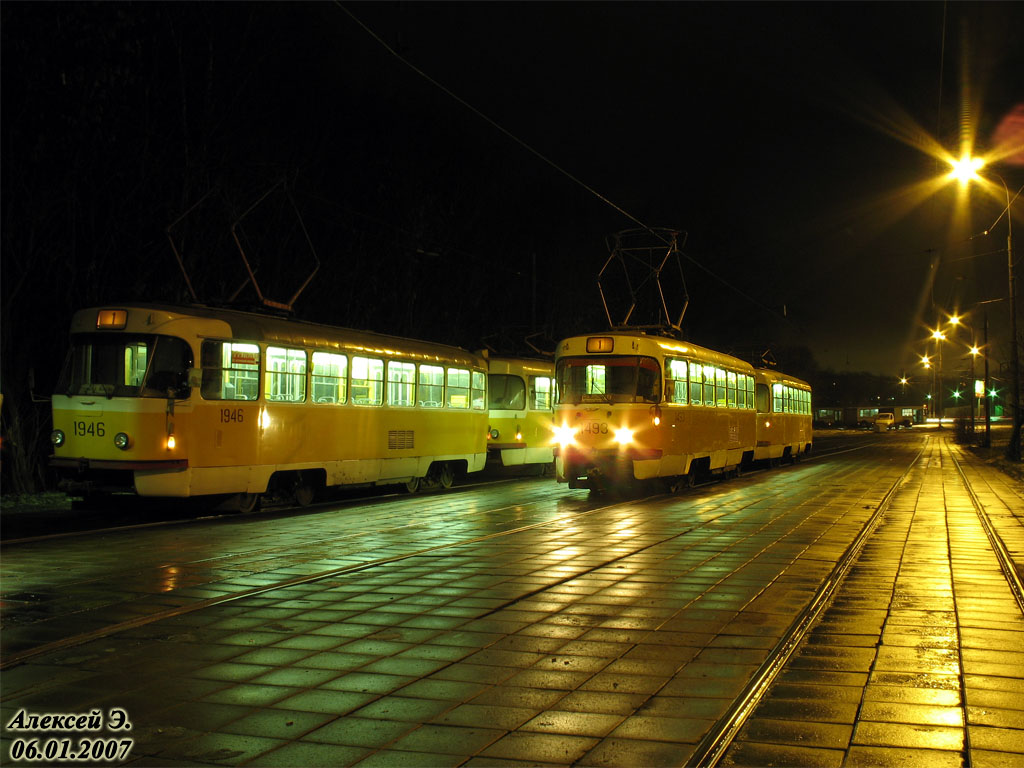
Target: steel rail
1002,554
712,747
14,659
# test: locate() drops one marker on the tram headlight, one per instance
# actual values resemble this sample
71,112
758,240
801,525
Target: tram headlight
57,438
623,435
171,442
493,434
122,441
563,435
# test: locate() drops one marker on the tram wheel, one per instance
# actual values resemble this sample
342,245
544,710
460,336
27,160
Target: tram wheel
247,502
446,476
304,493
411,486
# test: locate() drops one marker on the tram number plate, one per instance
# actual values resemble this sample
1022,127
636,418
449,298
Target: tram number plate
594,427
90,428
229,415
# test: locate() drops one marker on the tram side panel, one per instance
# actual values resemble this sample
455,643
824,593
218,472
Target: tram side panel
784,417
138,414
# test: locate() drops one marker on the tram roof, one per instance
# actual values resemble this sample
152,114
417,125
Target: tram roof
648,343
254,326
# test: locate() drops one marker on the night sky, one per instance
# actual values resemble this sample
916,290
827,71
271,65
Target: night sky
777,136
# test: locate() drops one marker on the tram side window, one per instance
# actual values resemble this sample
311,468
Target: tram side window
540,393
695,394
720,387
367,381
231,370
478,390
401,383
675,383
741,391
286,375
730,381
750,392
330,378
708,376
458,388
776,398
431,386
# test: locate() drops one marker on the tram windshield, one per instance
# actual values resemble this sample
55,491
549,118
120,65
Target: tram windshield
126,365
505,392
620,379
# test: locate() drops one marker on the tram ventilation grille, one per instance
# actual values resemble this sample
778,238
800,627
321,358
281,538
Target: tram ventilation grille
400,438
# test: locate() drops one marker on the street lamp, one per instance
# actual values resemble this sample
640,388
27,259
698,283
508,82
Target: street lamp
966,170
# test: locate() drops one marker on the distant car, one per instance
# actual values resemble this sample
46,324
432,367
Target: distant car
885,421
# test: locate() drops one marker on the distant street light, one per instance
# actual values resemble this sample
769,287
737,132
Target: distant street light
966,170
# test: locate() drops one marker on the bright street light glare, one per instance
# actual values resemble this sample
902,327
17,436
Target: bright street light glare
966,168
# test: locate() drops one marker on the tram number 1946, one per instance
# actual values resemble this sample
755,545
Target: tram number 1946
90,428
228,415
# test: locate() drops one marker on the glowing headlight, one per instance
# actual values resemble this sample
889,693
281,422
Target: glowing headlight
122,441
623,435
57,437
171,442
519,436
563,435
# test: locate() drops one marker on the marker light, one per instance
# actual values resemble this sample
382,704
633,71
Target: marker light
655,412
122,441
519,435
171,442
57,437
767,424
493,434
623,435
563,435
114,319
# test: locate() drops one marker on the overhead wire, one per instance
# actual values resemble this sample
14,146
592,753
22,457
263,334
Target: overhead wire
544,158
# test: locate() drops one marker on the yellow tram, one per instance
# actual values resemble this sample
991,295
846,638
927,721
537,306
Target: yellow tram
172,401
632,406
784,431
521,401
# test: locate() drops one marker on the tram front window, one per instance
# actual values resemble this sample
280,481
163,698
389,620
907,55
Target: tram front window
505,392
126,365
623,379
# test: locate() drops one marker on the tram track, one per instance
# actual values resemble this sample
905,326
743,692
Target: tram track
714,744
1002,554
572,516
15,659
288,510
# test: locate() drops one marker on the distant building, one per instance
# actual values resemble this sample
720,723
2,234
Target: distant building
862,416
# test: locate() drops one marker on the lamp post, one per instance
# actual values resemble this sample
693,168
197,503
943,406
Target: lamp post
966,169
939,337
1013,450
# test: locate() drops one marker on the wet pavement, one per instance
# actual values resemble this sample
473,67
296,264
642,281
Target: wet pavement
533,625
